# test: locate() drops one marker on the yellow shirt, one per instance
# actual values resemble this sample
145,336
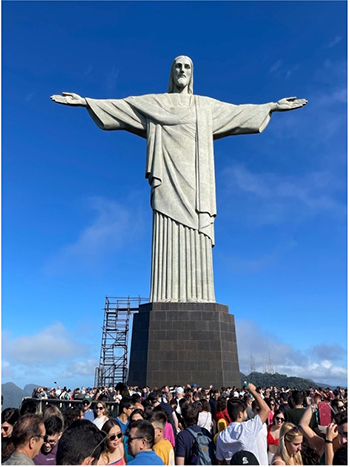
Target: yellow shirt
165,451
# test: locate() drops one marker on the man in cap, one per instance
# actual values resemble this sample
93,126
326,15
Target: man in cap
88,412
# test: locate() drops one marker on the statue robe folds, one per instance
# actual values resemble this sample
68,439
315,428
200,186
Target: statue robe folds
180,170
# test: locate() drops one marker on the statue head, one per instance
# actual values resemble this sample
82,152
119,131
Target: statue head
181,74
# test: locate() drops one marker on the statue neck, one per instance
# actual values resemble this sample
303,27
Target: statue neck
178,90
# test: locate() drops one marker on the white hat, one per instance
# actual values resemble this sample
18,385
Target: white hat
180,390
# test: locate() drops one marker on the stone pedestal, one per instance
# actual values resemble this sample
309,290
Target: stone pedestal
180,343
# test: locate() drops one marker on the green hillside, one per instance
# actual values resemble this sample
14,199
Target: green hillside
278,380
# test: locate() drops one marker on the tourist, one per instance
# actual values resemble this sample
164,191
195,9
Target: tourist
162,447
221,410
294,415
88,412
101,414
249,401
126,407
273,433
185,454
168,431
115,453
270,401
137,414
51,410
9,418
336,434
54,430
71,414
288,450
27,437
82,443
214,395
242,434
204,419
140,444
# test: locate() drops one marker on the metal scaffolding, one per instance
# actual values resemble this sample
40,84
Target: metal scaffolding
113,366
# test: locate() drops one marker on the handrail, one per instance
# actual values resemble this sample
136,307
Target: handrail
63,404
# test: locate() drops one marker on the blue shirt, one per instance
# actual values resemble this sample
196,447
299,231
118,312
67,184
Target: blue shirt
89,415
146,458
123,426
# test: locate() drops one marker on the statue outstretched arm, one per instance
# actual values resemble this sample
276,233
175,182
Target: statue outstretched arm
288,103
69,98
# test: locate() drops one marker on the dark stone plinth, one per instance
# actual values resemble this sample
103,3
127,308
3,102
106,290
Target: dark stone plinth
180,343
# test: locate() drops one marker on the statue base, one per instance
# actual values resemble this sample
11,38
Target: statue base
180,343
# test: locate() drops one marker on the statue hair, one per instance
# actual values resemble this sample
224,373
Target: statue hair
171,79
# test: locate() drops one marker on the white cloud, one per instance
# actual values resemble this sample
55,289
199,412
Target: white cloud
48,346
275,198
334,41
258,348
50,354
283,71
86,367
276,66
112,227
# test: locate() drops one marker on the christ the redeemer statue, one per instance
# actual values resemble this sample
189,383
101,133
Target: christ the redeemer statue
180,127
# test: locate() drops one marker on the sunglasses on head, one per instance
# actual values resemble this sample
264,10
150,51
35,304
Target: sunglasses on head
114,437
295,429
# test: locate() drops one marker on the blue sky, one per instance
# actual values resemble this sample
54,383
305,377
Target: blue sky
76,219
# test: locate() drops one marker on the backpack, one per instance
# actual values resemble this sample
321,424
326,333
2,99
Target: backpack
202,448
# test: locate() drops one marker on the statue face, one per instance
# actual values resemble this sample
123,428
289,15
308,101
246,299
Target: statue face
182,72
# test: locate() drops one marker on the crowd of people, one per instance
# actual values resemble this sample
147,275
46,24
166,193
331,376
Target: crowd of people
178,426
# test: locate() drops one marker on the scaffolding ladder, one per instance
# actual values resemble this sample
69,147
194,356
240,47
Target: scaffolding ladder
113,365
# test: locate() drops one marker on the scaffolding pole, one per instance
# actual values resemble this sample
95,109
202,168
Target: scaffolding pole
113,365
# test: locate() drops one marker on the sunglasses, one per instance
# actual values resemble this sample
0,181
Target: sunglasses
5,428
131,438
99,408
279,419
295,429
114,437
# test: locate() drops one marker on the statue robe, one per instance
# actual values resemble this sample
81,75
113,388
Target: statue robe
180,170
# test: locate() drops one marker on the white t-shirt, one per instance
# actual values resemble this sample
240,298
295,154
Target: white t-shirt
238,436
262,445
205,420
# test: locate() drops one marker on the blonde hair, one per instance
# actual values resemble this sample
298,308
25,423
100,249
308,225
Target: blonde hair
171,79
288,433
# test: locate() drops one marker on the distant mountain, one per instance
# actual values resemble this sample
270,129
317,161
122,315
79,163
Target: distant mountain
278,380
13,395
29,388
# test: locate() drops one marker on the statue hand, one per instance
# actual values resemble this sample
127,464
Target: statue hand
289,103
69,98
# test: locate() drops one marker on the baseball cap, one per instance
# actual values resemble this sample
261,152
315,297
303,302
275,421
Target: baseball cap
244,458
180,390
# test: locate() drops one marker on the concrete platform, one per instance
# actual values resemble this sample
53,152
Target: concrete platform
179,343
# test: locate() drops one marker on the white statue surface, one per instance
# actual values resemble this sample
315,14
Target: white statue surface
180,128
